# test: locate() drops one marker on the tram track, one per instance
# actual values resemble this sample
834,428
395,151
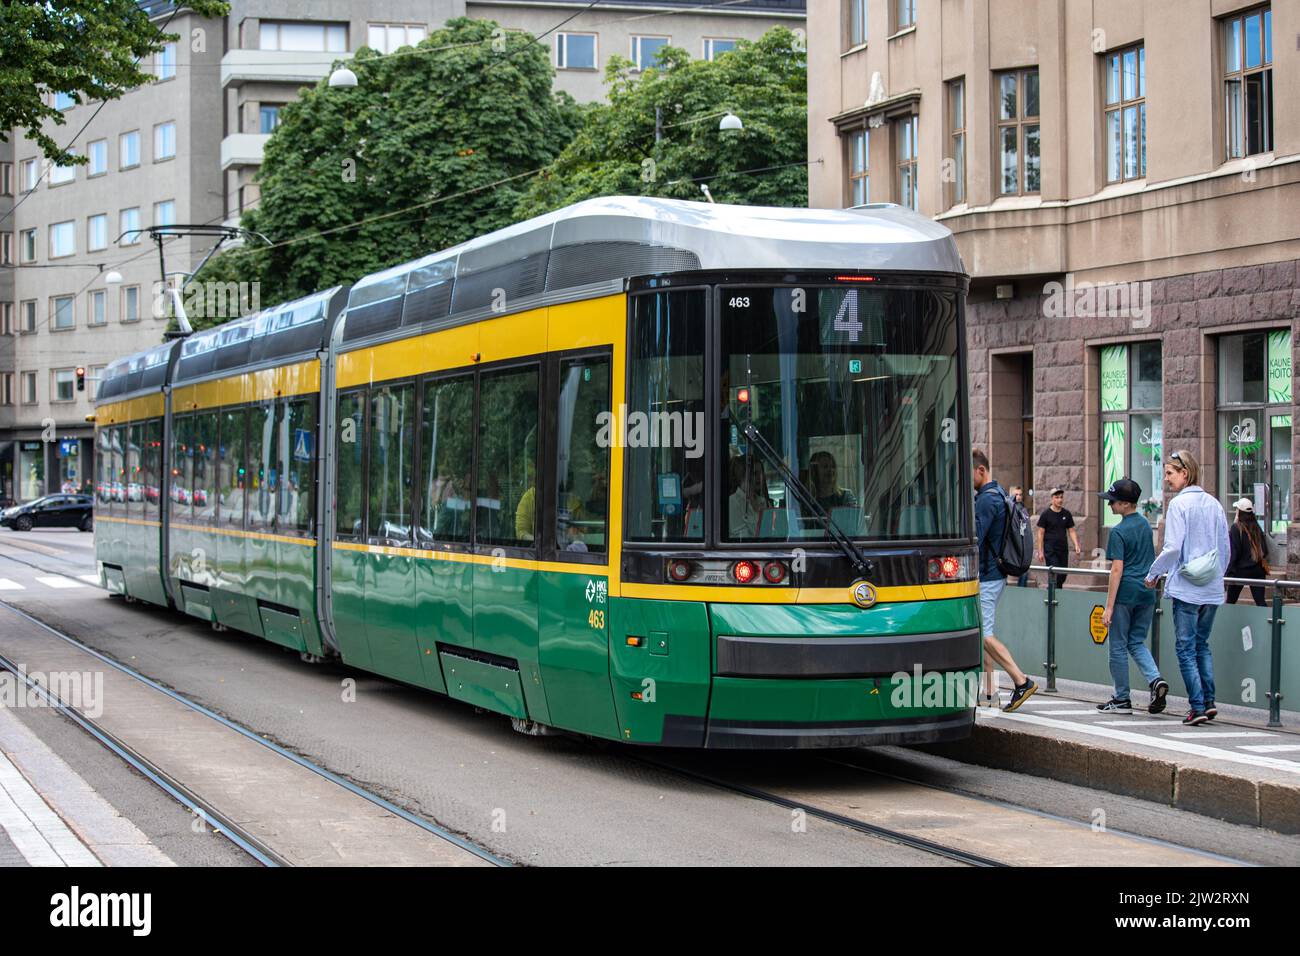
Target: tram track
260,849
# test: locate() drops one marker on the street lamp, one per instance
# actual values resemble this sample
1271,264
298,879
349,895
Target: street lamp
343,77
113,278
731,121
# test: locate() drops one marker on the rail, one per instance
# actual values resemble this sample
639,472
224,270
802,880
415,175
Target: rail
1275,622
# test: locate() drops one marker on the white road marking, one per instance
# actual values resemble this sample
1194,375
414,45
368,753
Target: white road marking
1272,748
38,833
56,581
1072,713
7,585
1158,742
89,578
1216,734
1135,721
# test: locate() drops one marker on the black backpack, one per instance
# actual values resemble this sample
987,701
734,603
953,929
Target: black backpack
1016,553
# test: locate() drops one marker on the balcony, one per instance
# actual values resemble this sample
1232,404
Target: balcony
243,149
277,66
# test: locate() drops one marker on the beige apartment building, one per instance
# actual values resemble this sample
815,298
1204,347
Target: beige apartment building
186,149
1123,179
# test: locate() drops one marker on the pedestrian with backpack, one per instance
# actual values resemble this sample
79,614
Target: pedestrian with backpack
1195,556
1129,605
995,514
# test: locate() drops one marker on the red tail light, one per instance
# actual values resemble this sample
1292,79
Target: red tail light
774,572
744,571
679,570
948,568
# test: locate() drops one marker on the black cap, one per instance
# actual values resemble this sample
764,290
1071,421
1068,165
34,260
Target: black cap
1124,489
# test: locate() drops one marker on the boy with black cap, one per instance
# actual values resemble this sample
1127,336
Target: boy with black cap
1129,603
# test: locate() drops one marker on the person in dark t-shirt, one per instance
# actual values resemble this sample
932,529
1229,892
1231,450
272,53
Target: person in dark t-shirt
1053,525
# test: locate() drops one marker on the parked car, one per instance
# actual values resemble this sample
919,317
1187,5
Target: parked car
52,511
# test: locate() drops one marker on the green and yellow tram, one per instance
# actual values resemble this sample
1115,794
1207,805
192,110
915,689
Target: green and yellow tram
649,470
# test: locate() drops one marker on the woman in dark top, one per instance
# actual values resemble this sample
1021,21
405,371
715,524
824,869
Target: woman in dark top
1249,554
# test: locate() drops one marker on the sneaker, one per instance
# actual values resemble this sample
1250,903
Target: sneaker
1159,691
1020,695
1195,717
1211,711
1116,706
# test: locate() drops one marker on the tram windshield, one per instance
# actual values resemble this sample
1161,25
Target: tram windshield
856,389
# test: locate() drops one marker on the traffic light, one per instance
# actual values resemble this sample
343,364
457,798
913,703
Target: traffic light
81,379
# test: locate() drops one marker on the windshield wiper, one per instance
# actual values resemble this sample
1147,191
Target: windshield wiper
861,563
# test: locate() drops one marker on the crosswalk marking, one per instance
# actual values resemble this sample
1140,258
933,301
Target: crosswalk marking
7,585
1070,713
1272,748
51,581
1209,736
89,578
1134,721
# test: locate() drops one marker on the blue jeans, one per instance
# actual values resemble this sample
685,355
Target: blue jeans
1192,623
1129,626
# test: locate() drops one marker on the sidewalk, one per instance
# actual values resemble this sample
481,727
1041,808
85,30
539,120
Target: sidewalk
50,816
1236,768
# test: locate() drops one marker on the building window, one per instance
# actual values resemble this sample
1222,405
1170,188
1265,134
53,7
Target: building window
7,388
65,385
164,141
387,37
904,14
62,174
164,213
859,174
28,309
1018,133
905,134
131,303
1255,424
644,50
268,119
97,232
64,101
6,318
31,174
6,248
63,239
6,179
1131,424
26,245
97,152
1248,82
714,47
128,222
304,37
957,141
1126,114
857,25
575,51
29,388
93,379
98,312
128,150
164,64
61,316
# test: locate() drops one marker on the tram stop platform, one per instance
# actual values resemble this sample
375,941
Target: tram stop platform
1235,768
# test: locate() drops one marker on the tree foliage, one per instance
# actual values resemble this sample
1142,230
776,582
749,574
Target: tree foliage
88,49
765,83
432,147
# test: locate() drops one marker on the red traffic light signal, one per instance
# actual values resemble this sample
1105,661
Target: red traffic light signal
81,379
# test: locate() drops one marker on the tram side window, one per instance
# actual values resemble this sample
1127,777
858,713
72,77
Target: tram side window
447,443
582,456
182,470
349,459
104,470
151,458
507,458
667,410
298,466
392,461
205,467
232,468
134,485
263,479
118,466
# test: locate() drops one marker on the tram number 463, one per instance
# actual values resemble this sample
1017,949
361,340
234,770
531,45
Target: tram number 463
596,618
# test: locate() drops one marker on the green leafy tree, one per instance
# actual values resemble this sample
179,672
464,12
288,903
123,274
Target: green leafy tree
435,145
765,83
88,49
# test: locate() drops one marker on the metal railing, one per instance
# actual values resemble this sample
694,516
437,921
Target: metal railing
1275,622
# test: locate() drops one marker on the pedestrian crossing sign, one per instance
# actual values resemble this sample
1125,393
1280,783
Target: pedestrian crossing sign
302,444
